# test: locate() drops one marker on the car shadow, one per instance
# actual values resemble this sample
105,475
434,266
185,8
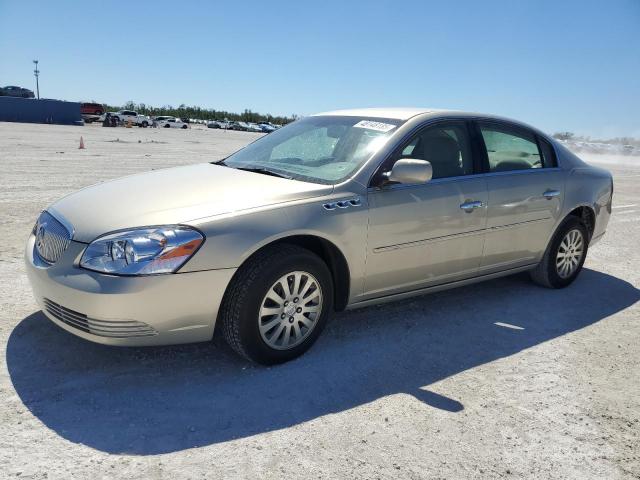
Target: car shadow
156,400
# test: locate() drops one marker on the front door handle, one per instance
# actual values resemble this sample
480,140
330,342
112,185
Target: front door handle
470,206
549,194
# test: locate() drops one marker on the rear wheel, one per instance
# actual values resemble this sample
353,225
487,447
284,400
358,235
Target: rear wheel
565,255
277,305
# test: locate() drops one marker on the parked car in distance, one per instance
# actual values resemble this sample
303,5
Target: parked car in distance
161,118
337,210
266,127
171,122
91,112
213,124
254,127
239,126
91,109
13,91
125,116
112,114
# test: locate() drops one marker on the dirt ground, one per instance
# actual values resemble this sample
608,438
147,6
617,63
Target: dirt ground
433,387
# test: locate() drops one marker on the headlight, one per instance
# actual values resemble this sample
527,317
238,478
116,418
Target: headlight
142,251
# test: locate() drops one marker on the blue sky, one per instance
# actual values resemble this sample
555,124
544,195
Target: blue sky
570,65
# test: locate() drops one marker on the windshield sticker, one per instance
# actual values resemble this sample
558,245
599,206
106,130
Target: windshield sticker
377,126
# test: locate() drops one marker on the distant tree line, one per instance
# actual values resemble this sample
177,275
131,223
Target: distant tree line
570,136
186,112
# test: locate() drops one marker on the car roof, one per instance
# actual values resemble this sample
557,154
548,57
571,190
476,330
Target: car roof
407,113
396,113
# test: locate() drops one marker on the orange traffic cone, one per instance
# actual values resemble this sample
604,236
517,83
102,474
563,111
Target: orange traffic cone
81,147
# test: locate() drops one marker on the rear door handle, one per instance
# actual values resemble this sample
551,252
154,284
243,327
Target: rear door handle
471,206
549,194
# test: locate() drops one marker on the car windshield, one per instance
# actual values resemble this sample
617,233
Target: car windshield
322,149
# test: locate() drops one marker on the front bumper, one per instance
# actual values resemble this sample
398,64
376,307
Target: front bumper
126,311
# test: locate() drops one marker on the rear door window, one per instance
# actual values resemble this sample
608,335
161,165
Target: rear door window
510,149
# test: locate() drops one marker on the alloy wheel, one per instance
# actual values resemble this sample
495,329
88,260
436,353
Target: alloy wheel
290,310
570,253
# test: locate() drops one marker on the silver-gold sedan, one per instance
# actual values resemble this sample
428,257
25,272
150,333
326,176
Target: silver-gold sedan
338,210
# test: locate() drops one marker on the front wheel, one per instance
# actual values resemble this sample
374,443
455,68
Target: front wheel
565,255
277,304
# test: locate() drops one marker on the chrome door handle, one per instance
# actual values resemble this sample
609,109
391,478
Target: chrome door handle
471,206
549,194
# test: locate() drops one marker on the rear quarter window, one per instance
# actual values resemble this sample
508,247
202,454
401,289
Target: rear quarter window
549,158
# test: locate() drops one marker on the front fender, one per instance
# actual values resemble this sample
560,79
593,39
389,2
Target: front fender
231,240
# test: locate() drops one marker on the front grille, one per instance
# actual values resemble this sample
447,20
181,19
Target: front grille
52,238
102,328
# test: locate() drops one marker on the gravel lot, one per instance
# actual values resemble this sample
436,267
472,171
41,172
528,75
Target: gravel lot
426,388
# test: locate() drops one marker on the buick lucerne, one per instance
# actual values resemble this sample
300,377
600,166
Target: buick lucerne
337,210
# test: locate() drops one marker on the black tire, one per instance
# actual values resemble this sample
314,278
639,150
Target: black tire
145,124
184,127
241,304
166,125
546,272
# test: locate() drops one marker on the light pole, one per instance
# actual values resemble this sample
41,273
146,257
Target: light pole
36,72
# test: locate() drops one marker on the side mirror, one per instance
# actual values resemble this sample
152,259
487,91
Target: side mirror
410,171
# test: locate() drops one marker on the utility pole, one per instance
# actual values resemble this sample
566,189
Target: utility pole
36,72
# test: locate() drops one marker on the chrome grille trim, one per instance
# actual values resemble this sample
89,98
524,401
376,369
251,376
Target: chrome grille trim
52,238
102,328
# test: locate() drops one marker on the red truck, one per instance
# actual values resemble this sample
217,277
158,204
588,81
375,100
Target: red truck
91,111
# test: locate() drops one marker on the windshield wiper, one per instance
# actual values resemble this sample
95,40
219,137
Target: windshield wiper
265,171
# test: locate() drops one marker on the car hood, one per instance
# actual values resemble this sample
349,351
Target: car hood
174,195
